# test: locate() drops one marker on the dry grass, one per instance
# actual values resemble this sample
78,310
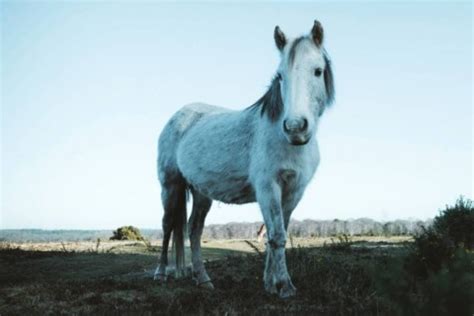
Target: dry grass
240,245
115,277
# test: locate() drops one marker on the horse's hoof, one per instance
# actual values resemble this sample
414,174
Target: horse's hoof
161,278
206,285
271,288
160,274
287,290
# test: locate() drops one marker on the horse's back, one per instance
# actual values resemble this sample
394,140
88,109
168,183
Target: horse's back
203,109
178,125
187,116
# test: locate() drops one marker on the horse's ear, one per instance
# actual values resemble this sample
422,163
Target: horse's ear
280,39
317,33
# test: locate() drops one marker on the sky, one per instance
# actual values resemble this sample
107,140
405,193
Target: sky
86,88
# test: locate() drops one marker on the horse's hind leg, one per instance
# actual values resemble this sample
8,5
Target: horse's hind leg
160,273
174,200
201,206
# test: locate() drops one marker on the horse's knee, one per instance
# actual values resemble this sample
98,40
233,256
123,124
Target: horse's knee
277,240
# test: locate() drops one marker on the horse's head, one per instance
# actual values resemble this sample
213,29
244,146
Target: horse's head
305,83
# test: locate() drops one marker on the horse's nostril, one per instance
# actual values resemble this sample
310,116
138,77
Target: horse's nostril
305,125
285,126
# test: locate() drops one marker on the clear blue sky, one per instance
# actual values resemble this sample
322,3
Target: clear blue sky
88,86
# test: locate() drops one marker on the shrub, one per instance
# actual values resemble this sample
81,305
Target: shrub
450,291
451,230
127,233
343,243
457,223
430,251
437,274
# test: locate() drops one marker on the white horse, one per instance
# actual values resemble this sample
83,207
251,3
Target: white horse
266,153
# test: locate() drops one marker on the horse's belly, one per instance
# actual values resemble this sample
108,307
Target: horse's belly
227,189
214,156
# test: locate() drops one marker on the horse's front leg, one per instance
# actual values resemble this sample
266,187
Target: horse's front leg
276,277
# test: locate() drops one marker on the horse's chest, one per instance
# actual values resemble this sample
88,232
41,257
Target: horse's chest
291,183
294,171
298,168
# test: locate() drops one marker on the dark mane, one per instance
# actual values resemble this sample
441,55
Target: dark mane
328,80
270,103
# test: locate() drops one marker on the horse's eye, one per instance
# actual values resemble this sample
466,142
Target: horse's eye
279,76
318,72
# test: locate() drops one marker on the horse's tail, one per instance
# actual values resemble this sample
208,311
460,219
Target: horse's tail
173,195
179,227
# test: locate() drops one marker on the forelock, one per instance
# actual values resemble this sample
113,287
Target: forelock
293,49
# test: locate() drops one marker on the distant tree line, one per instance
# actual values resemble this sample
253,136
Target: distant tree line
321,228
305,228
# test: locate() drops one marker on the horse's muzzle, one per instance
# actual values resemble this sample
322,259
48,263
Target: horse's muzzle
296,131
295,126
298,140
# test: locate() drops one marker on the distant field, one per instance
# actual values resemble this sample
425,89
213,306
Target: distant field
241,245
332,277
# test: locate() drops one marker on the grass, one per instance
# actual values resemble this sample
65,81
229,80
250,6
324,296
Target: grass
331,280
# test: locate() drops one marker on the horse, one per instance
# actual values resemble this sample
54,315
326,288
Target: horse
265,153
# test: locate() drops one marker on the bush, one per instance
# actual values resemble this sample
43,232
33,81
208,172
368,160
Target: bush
457,223
450,291
127,233
437,274
451,230
430,251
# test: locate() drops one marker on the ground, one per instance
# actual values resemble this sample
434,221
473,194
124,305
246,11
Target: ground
332,277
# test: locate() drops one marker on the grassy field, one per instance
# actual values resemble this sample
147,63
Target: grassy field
333,277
